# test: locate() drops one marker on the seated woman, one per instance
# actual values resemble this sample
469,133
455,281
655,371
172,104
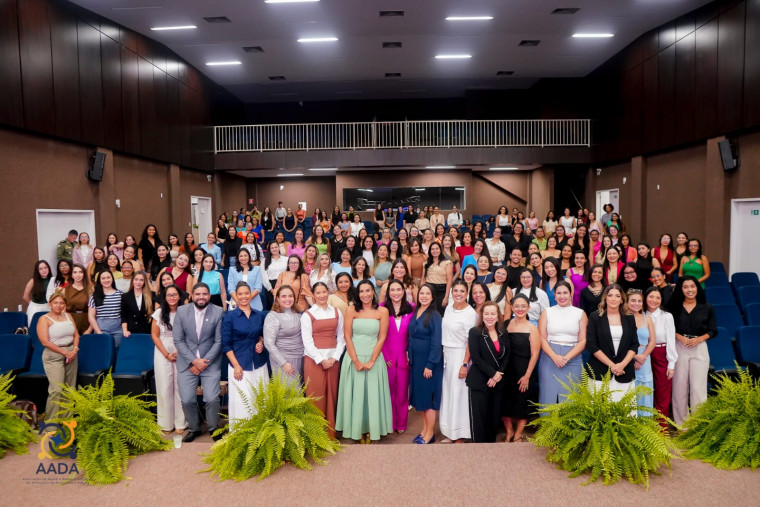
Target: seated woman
58,334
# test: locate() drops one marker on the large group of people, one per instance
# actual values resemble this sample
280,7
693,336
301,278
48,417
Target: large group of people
470,324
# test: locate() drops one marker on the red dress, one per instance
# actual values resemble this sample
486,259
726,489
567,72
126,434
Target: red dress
668,262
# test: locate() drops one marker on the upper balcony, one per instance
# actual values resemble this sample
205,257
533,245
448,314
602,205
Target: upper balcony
540,141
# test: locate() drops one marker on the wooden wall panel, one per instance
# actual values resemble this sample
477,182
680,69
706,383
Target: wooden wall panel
36,66
685,88
752,65
130,100
147,108
731,68
11,94
90,84
65,50
113,122
706,91
650,104
174,144
160,105
666,95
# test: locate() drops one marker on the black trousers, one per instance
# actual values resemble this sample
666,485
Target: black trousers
485,414
440,293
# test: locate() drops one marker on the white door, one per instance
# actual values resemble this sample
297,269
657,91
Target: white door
610,196
200,214
745,242
54,224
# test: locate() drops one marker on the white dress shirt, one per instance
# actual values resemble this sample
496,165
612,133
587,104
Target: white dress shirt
665,332
454,219
273,271
310,349
199,315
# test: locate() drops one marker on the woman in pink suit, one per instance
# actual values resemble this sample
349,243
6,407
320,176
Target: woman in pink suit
394,351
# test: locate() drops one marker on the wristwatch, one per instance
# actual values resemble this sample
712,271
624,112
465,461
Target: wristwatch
464,365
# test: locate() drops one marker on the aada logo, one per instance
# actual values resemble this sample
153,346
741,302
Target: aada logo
58,441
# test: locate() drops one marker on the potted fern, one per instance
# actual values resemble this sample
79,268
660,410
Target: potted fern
725,429
287,427
591,433
110,430
15,434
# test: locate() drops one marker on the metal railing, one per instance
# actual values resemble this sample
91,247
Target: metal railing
402,134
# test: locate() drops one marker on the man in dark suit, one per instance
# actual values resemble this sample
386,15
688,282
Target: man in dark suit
198,339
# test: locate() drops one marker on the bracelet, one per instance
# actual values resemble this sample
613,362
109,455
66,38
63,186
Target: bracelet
76,348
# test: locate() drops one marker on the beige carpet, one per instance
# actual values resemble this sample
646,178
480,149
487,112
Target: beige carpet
394,472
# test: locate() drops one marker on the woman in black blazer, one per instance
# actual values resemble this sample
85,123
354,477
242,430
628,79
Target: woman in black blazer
612,341
136,307
489,352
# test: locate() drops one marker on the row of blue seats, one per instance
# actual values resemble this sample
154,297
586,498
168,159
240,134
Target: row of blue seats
745,350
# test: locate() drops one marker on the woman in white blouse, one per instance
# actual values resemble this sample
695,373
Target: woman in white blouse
322,272
457,321
274,264
357,225
496,248
323,343
664,355
539,301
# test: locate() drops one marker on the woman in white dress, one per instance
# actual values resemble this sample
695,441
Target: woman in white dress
568,222
458,319
168,403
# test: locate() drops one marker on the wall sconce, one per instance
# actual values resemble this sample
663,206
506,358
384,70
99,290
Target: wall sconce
282,187
624,180
209,177
598,171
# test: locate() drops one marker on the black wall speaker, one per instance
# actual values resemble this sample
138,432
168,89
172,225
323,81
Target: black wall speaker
727,158
95,173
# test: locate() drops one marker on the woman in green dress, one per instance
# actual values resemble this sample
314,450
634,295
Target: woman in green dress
694,263
364,398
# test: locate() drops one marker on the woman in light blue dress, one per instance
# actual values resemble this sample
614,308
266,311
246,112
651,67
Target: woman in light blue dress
645,332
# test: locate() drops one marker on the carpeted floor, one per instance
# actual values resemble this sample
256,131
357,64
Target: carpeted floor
391,472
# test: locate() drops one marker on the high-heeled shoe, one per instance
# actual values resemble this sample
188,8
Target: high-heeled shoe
431,441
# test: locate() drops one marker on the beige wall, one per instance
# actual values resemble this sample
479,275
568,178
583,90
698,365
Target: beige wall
39,172
317,192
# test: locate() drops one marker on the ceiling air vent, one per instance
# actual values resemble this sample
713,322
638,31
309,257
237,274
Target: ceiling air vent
277,78
392,74
566,10
391,45
217,19
391,14
503,73
529,43
253,49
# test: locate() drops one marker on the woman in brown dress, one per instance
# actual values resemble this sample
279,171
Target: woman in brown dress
77,294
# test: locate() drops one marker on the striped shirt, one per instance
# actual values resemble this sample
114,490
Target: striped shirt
111,307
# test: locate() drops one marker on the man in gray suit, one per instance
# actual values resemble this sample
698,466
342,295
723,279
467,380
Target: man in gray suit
198,339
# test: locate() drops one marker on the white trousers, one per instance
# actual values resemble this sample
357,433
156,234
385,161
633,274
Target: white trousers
168,403
689,379
242,393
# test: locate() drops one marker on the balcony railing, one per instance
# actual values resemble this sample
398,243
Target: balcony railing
402,135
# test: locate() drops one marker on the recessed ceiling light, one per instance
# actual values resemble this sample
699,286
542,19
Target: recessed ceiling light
593,35
318,39
323,169
182,27
289,174
503,168
365,190
287,1
440,167
469,18
419,189
452,57
215,64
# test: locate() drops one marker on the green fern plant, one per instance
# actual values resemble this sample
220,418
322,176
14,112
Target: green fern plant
725,429
15,434
110,429
287,427
590,433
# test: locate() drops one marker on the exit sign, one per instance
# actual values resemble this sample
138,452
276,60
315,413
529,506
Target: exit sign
756,211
